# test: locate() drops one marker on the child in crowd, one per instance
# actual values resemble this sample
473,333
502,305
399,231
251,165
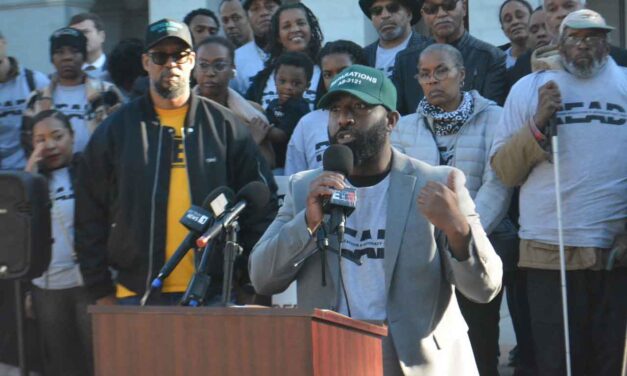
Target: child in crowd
293,75
59,299
310,138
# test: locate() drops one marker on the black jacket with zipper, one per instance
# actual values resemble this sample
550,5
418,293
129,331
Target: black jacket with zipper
370,51
123,188
485,72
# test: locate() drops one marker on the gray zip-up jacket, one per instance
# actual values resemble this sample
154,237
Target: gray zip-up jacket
414,136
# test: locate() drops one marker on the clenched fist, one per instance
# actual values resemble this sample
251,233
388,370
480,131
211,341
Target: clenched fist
549,102
438,203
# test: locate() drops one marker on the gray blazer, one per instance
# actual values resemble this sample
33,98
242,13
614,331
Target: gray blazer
426,326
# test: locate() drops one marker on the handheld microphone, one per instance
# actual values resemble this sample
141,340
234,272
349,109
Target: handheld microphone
339,158
253,197
197,220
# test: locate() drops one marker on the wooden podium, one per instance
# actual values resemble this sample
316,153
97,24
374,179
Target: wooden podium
232,341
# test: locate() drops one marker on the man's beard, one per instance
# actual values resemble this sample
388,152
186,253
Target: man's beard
175,90
367,144
584,70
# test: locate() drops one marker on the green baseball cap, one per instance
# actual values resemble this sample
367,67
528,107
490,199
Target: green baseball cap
366,83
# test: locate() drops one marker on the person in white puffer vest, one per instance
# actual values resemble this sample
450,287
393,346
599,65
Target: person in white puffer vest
456,128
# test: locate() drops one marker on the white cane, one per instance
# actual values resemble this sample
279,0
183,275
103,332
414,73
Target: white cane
558,196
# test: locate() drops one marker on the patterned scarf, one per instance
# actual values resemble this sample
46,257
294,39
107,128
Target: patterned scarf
448,123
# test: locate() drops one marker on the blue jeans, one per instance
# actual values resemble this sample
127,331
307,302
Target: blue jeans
65,330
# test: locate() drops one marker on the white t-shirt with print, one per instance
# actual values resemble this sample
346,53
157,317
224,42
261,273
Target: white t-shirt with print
308,142
63,272
510,60
592,131
270,93
446,147
72,101
13,96
365,238
387,56
249,60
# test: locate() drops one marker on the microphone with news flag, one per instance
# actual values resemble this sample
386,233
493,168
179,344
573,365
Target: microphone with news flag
336,158
339,158
197,219
250,200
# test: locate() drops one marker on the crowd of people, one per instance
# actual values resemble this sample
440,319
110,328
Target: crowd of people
453,170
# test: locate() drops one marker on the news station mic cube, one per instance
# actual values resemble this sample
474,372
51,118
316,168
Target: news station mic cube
25,232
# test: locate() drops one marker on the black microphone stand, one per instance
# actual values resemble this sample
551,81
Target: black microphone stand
341,226
322,241
199,284
231,251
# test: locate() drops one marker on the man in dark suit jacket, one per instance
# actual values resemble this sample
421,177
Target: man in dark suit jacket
484,63
393,20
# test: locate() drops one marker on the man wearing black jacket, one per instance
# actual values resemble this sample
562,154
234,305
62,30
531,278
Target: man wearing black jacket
484,63
146,164
393,20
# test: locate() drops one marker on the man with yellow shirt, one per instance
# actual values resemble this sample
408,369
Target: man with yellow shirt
147,164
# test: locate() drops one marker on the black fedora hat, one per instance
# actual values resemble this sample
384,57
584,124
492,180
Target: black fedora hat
413,5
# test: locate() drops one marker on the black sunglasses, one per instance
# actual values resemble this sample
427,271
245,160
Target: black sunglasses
391,8
446,6
161,58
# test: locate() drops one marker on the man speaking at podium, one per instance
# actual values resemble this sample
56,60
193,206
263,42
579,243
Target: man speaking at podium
144,167
394,268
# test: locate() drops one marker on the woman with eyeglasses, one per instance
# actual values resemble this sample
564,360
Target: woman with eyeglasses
294,28
59,298
213,71
456,128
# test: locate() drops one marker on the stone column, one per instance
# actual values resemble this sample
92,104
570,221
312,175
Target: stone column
158,9
28,24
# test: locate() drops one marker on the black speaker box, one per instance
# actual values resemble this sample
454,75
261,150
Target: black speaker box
25,234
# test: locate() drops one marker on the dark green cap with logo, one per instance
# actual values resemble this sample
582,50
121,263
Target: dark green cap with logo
366,83
166,28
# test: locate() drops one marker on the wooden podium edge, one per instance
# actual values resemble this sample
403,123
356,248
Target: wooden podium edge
316,314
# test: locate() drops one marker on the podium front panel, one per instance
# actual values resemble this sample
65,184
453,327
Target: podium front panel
231,341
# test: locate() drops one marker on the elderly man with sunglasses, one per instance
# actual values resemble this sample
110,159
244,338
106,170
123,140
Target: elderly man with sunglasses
393,20
484,63
147,164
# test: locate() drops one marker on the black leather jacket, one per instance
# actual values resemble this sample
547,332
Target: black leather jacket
370,51
485,72
123,187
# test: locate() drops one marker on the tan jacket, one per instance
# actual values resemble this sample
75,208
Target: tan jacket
512,163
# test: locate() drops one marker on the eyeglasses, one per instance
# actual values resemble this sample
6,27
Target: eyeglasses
391,8
589,40
440,74
446,6
217,67
161,58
